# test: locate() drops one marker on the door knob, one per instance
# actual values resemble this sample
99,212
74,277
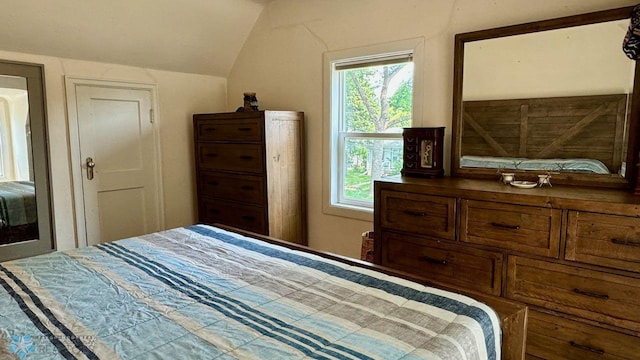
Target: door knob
90,166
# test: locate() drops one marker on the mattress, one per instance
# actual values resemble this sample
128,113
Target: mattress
17,203
201,292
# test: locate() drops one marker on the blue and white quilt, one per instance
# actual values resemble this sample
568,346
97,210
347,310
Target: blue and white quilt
205,293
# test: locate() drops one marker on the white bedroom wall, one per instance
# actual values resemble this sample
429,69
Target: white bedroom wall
179,96
282,61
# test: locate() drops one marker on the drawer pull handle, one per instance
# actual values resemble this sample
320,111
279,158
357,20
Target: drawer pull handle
244,129
246,187
213,211
625,242
213,183
591,294
506,226
211,155
415,213
210,129
246,157
587,348
434,261
248,218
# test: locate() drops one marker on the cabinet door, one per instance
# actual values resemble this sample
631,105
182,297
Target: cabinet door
448,263
236,130
243,216
555,338
534,230
606,240
247,158
419,214
586,293
236,187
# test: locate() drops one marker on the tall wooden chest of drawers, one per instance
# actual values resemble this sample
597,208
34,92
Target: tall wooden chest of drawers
572,254
250,172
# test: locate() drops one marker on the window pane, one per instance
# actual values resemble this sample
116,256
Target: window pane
365,160
378,98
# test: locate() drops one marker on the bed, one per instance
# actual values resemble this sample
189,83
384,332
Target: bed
591,166
206,292
18,212
576,133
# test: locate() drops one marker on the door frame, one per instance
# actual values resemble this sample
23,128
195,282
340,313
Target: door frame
71,83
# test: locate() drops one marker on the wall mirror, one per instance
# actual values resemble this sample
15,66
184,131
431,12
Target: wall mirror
25,203
554,96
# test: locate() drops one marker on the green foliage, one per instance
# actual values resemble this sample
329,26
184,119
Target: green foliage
374,103
400,104
368,93
358,185
357,117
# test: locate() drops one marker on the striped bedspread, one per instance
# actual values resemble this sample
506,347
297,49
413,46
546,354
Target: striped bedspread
204,293
17,203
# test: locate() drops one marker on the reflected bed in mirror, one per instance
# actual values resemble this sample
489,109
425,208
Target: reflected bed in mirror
552,96
25,206
18,215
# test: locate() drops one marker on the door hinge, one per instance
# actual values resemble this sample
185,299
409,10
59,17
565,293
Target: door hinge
151,117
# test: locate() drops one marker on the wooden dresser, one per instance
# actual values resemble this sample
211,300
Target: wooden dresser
250,172
572,254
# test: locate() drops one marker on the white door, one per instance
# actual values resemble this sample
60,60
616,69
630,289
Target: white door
119,161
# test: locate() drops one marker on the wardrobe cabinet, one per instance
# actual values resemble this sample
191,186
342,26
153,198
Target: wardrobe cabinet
250,172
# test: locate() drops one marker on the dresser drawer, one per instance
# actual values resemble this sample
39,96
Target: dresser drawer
555,338
590,294
533,230
606,240
243,216
448,263
236,130
245,188
419,214
232,157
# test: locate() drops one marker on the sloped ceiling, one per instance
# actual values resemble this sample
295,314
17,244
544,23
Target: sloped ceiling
194,36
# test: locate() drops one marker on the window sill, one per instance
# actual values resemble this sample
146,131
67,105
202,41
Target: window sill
349,211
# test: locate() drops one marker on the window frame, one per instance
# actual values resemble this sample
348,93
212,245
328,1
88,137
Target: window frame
5,140
334,138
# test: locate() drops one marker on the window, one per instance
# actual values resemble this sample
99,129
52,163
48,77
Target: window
371,100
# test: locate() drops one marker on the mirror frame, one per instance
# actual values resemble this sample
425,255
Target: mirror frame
34,75
629,181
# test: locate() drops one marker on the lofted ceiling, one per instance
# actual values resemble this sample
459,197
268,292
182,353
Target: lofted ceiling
194,36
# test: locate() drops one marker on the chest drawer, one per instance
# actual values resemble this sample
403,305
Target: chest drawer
556,338
448,263
606,240
232,157
236,130
586,293
244,188
247,217
419,214
533,230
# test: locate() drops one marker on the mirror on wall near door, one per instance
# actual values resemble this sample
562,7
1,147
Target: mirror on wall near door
25,203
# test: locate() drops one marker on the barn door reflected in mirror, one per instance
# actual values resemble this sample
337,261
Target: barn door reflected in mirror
25,215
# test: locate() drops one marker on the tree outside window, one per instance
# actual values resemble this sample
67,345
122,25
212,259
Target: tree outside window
375,102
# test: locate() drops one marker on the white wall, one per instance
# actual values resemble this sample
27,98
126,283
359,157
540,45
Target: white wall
577,61
282,61
180,95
